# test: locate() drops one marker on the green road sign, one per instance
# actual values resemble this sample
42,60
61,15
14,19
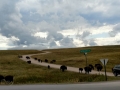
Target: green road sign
85,51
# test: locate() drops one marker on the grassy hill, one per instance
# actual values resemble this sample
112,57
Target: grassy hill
73,57
25,73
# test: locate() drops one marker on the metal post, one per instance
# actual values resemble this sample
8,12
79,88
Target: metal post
86,58
105,71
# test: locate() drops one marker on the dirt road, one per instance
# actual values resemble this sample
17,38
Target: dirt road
74,69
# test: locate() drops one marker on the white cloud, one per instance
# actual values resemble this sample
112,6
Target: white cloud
59,23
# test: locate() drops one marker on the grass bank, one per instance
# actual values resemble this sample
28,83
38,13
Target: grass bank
25,73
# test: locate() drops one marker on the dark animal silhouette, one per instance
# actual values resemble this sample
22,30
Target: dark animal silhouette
99,67
87,69
46,60
35,58
91,66
39,60
27,57
1,78
54,60
9,78
80,70
29,62
51,61
48,66
63,68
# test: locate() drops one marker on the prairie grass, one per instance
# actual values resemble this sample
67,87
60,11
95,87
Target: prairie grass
25,73
73,57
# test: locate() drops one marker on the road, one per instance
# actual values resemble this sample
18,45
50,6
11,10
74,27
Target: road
85,86
74,69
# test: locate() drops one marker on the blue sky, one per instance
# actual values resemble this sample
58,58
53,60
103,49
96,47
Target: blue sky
44,24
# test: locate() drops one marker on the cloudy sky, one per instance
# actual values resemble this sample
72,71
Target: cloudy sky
41,24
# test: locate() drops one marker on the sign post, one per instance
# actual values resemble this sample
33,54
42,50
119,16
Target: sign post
104,62
85,53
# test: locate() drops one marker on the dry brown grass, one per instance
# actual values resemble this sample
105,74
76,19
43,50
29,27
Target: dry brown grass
29,73
73,57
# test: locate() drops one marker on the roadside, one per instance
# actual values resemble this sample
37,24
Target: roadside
73,69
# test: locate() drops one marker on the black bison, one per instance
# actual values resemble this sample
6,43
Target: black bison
87,69
1,78
46,60
35,58
63,68
98,67
80,70
27,57
48,66
29,62
9,79
91,66
53,61
39,60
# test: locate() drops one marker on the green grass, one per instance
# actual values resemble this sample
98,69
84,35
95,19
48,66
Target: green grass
25,73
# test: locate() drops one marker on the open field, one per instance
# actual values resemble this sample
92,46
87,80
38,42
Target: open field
30,74
73,57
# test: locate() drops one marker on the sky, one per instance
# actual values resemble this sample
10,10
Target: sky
49,24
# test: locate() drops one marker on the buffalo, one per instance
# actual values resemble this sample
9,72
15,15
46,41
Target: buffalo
35,58
27,57
99,67
87,69
39,60
29,62
63,68
52,61
1,78
9,79
48,66
80,70
46,60
91,66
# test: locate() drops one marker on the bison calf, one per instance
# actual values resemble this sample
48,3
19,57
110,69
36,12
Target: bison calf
80,70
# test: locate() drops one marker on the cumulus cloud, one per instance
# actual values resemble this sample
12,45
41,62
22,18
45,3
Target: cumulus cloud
115,31
22,19
67,42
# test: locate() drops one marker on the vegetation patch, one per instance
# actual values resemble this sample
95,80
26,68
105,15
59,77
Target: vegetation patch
25,73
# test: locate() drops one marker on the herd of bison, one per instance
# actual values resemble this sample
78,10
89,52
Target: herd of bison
87,69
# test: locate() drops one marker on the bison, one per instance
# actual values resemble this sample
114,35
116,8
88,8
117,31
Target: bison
46,60
63,68
9,79
39,60
29,62
27,57
98,67
80,70
48,66
1,78
87,69
91,66
35,58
